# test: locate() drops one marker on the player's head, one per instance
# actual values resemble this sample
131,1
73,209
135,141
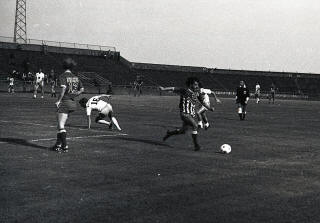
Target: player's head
242,84
83,102
68,64
193,83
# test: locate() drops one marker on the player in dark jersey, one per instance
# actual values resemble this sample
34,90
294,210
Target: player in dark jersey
272,93
189,97
242,98
71,87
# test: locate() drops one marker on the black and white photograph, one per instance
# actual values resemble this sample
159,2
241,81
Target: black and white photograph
163,111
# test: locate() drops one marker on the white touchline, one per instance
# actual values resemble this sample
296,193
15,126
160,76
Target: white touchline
80,137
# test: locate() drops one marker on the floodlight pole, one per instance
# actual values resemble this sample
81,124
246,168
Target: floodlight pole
20,24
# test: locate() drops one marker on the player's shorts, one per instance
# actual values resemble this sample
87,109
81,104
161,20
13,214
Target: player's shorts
38,84
106,110
67,106
189,120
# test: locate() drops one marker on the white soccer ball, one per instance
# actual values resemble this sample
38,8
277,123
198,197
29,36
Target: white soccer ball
225,148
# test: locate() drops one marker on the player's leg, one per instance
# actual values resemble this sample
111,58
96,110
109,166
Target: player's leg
205,120
240,111
190,121
35,90
178,131
244,111
199,116
113,121
100,119
42,90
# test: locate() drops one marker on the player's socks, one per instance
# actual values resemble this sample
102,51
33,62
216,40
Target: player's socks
171,133
200,124
63,138
101,121
240,115
206,125
243,116
115,122
195,141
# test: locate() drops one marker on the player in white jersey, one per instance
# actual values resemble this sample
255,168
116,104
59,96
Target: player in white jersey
201,113
39,82
104,108
257,92
11,85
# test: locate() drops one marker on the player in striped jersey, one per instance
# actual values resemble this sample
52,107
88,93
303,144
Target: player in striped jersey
104,108
189,97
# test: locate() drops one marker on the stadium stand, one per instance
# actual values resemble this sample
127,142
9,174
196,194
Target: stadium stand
100,67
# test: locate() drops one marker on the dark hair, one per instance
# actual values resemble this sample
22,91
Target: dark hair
68,63
83,102
191,80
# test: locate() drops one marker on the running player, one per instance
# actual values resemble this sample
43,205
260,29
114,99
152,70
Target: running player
201,113
242,98
53,88
71,87
188,98
257,92
39,82
104,108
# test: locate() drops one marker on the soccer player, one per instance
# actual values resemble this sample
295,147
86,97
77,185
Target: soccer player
257,92
53,88
242,98
188,98
39,82
71,87
201,113
11,84
104,108
272,93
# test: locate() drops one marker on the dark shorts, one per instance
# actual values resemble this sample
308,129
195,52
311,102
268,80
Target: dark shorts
67,106
189,120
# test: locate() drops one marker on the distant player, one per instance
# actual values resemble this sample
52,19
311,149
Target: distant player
53,88
189,97
104,108
201,113
272,93
71,87
11,84
39,82
242,98
257,93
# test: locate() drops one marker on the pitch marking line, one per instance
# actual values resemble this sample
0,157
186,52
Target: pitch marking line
50,126
80,137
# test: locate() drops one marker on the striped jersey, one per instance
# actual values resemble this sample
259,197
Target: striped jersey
188,100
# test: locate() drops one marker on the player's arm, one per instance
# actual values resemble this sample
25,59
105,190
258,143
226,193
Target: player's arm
167,88
104,95
63,91
88,111
89,121
208,91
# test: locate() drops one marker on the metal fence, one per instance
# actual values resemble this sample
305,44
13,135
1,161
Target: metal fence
61,44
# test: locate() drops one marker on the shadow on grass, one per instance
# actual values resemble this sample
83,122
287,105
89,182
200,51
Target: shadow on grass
23,142
147,141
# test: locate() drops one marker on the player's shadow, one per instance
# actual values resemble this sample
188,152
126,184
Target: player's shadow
23,142
148,141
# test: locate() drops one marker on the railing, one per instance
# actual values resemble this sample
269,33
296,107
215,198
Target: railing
61,44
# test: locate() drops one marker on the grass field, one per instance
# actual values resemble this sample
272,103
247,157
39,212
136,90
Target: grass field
272,174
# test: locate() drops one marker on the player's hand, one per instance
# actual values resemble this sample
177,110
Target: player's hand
58,104
218,101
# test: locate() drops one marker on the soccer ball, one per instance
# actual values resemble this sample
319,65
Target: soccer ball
225,148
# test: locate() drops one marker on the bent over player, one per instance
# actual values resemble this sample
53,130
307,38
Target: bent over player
242,98
71,87
201,113
104,109
188,98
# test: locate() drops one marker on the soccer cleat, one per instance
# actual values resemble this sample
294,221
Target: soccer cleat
34,96
56,148
64,149
206,126
166,136
197,147
41,96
